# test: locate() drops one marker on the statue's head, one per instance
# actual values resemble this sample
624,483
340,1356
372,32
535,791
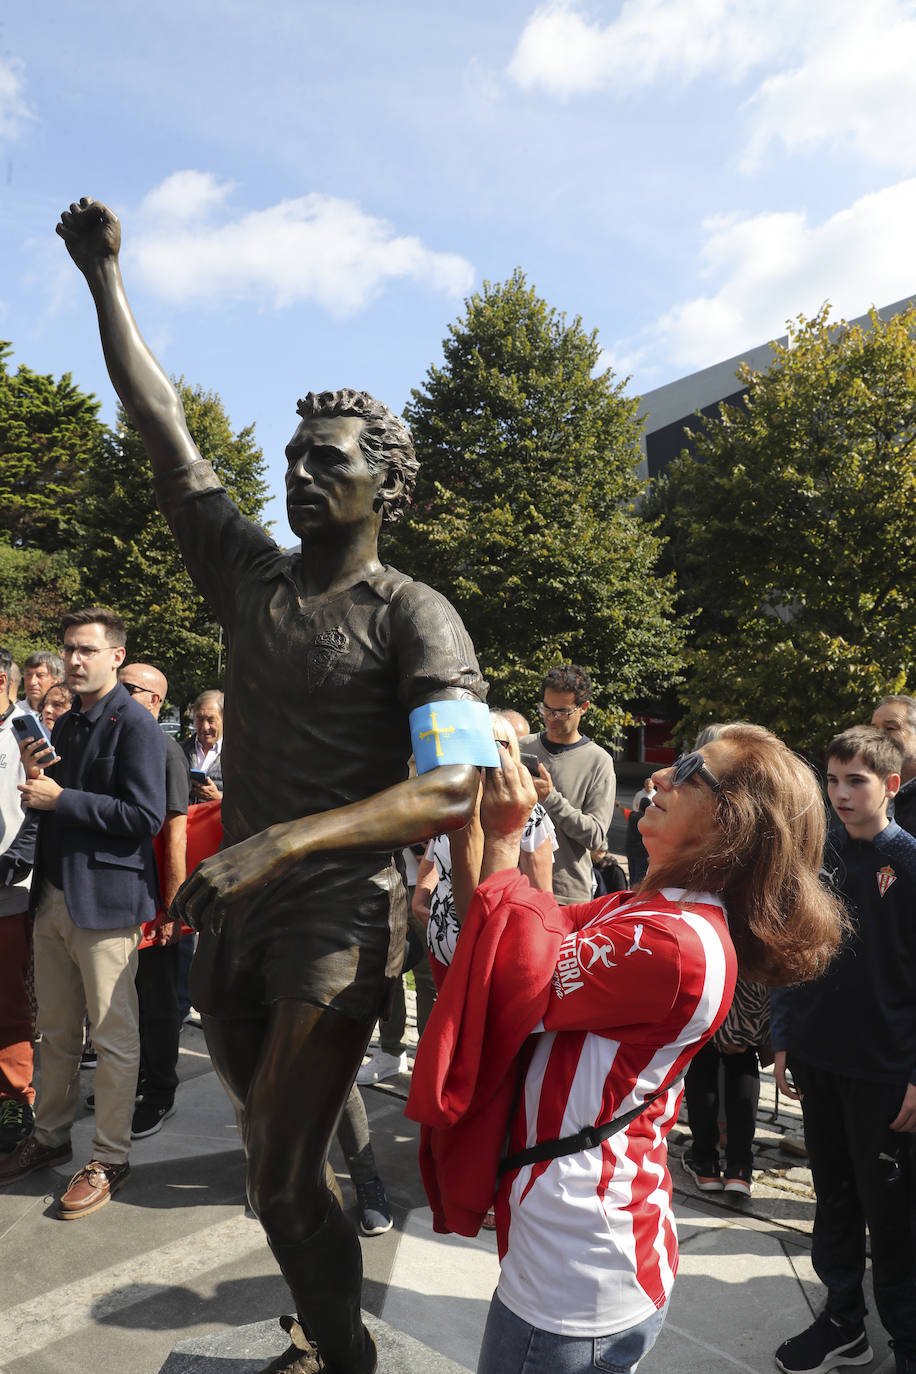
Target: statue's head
384,441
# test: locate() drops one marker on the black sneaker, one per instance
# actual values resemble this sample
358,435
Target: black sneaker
148,1118
16,1122
374,1212
89,1059
738,1179
705,1173
825,1345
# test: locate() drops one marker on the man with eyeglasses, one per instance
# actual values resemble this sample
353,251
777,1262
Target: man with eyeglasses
94,883
157,968
576,782
896,716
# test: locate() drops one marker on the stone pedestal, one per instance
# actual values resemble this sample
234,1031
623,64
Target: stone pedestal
247,1349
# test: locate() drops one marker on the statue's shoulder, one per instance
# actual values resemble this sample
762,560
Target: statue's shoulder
387,583
415,597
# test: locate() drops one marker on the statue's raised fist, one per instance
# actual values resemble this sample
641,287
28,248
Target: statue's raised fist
91,232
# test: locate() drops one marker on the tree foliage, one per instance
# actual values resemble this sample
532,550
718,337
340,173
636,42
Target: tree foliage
79,523
49,435
35,590
792,531
129,559
523,513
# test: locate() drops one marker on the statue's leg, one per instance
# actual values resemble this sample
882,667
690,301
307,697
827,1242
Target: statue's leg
296,1071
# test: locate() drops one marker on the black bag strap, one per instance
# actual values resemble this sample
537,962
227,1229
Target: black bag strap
586,1139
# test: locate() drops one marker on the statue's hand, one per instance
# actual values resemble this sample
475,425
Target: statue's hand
225,879
91,232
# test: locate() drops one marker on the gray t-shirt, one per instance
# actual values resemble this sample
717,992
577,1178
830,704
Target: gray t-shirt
580,805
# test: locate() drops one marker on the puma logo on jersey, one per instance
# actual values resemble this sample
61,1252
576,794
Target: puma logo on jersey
636,947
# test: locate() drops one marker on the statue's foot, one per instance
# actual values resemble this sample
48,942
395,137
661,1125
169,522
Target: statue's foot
302,1356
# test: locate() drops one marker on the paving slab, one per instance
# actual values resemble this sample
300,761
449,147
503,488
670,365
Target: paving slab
440,1288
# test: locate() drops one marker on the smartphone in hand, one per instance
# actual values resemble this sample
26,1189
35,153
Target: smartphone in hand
28,730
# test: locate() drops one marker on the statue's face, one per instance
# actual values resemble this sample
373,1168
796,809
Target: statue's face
329,485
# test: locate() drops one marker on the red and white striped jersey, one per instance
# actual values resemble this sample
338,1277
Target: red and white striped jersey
588,1241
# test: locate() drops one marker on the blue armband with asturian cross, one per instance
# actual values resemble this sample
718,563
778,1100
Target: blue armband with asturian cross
452,732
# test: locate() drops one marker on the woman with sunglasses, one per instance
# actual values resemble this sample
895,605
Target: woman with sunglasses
571,1027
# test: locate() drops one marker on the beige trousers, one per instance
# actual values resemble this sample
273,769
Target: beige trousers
80,972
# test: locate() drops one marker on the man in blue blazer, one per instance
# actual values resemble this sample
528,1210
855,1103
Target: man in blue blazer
94,883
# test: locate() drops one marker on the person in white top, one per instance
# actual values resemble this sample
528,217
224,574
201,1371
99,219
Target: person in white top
205,746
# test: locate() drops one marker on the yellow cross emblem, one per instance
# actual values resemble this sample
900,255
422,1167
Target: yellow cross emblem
435,733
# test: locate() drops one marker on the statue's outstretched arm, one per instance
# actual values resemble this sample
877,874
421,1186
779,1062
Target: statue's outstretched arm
416,809
92,234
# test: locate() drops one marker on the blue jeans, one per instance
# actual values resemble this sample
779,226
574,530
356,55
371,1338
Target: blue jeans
511,1346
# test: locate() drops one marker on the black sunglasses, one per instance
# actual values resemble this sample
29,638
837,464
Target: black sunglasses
693,765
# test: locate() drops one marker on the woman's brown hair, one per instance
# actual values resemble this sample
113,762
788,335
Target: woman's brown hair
763,857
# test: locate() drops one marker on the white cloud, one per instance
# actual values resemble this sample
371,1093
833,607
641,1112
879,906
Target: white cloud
14,110
765,269
564,52
855,86
185,197
314,248
827,71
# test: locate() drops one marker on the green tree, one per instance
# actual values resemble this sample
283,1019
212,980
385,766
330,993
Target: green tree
791,527
129,559
523,513
50,435
35,590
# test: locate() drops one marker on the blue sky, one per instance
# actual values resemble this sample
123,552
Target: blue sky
308,192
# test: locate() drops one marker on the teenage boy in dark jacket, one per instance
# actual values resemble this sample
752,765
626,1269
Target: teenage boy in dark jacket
850,1038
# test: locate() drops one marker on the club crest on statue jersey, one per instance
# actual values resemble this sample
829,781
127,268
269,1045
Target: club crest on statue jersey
322,654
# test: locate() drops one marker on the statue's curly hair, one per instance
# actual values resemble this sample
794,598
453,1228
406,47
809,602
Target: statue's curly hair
385,440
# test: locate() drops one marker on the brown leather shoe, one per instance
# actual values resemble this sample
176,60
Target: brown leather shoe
91,1188
28,1156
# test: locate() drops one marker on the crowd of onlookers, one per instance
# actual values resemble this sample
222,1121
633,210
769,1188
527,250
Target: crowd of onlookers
98,829
102,823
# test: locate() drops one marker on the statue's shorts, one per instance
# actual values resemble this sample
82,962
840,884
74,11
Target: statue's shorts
330,933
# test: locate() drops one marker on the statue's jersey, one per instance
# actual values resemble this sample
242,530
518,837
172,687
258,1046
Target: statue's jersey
318,693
